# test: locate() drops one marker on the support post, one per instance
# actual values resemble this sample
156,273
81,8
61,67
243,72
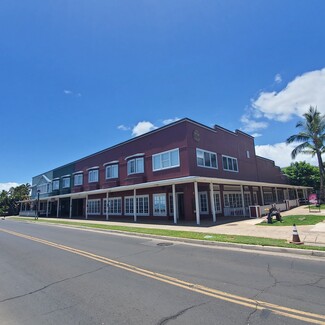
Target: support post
107,205
262,194
276,195
135,205
174,204
70,211
243,199
213,207
57,208
197,209
86,206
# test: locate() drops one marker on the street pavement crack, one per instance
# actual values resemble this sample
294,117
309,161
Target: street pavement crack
167,319
262,291
51,284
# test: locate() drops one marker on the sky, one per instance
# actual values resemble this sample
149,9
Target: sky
80,76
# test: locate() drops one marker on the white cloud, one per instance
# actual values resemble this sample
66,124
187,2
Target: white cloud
281,154
7,186
256,135
250,125
278,78
123,127
170,120
71,93
305,90
143,127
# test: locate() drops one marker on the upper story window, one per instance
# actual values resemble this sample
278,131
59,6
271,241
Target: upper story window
164,160
230,164
65,182
78,179
136,165
206,158
93,175
112,171
55,185
44,188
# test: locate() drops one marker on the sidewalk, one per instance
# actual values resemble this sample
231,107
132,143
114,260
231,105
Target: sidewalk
312,235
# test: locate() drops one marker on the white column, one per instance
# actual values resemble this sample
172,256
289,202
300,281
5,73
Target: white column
107,206
174,204
70,211
297,194
243,199
197,209
58,208
135,205
47,208
262,195
213,207
276,195
86,206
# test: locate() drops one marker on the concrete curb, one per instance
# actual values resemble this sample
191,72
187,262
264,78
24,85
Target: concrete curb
284,250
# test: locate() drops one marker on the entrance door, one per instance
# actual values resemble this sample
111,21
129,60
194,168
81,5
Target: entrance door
77,207
180,206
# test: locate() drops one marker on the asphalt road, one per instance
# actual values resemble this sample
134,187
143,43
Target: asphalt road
57,275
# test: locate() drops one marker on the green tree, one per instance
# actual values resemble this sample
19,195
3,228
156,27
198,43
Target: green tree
312,137
4,202
16,194
303,174
9,200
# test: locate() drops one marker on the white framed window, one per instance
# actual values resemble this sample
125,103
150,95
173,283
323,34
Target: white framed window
206,158
55,185
111,171
78,179
217,201
248,154
65,182
268,198
203,203
165,160
159,205
247,198
230,164
44,188
114,206
233,200
93,206
135,165
142,205
93,175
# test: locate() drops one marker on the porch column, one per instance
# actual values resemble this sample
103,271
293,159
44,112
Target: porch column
70,211
86,206
262,195
243,199
135,205
57,208
197,209
276,195
213,207
174,204
107,205
47,208
296,193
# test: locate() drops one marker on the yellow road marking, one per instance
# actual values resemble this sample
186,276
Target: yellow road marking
243,301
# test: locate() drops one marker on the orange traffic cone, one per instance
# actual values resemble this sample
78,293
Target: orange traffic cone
295,236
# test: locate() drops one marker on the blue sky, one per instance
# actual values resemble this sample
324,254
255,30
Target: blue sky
79,76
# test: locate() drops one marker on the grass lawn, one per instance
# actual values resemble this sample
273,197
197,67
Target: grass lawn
298,220
247,240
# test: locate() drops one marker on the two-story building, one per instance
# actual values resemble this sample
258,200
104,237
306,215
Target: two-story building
181,171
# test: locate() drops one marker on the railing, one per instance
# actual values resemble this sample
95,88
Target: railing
293,203
28,213
236,212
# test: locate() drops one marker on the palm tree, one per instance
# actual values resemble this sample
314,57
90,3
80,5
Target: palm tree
311,137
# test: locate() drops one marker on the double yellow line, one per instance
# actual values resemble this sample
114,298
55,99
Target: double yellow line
217,294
